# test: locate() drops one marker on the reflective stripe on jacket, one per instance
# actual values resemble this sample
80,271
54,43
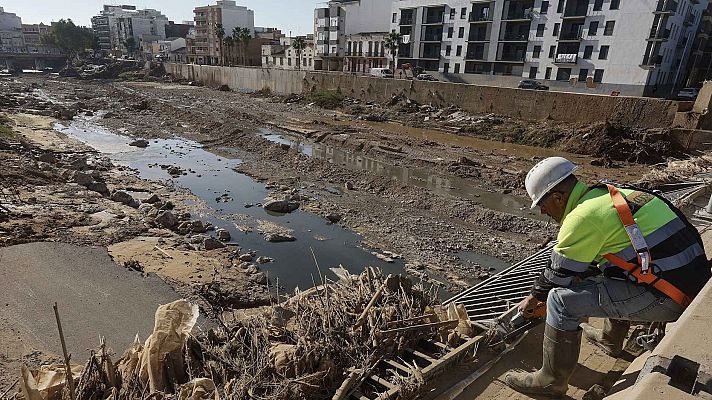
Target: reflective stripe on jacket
591,228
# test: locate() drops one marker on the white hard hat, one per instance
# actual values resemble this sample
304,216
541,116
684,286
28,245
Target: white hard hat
548,173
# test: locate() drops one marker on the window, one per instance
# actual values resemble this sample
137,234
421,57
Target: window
450,30
593,28
395,18
552,51
563,74
544,7
457,68
281,61
463,15
583,73
598,5
560,6
615,4
608,30
540,30
453,12
537,52
598,76
547,75
603,53
448,49
461,32
557,27
289,61
459,51
587,51
446,68
532,72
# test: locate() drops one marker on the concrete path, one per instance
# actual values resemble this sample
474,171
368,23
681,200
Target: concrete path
95,297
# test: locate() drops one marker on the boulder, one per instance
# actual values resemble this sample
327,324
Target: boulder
245,257
99,187
186,227
333,218
124,198
280,206
279,237
264,260
167,220
222,235
212,244
82,178
139,143
153,199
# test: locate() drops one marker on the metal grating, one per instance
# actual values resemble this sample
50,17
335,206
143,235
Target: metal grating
498,294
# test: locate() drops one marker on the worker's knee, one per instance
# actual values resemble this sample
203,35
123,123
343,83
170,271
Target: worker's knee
554,301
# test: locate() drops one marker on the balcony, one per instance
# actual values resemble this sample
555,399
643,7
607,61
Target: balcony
662,35
574,35
478,37
689,20
575,9
434,19
525,15
569,58
406,21
652,61
431,55
666,7
476,55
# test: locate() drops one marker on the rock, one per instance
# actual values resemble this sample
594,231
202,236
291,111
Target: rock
222,235
139,143
333,218
140,106
264,260
153,199
124,198
192,227
224,88
279,237
145,208
175,171
245,257
82,178
99,187
259,278
48,158
167,220
212,244
280,206
349,186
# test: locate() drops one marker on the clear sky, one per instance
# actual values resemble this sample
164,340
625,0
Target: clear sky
294,15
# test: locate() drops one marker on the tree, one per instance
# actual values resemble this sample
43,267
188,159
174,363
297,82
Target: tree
220,33
243,37
299,44
70,38
131,46
392,42
228,44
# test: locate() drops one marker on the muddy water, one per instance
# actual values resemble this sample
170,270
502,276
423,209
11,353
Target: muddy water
441,184
213,177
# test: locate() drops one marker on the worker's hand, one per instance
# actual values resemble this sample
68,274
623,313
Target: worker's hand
532,308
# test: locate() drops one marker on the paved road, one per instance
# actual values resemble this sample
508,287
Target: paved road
95,297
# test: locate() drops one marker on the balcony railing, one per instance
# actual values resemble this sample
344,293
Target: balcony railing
480,17
525,14
666,6
572,35
474,37
476,55
659,35
430,54
406,21
568,58
511,57
434,19
515,36
433,37
652,60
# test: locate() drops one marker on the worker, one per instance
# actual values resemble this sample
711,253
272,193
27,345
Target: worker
622,254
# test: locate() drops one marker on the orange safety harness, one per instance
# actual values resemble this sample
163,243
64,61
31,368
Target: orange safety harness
641,269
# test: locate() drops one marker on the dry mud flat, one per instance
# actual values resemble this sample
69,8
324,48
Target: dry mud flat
439,199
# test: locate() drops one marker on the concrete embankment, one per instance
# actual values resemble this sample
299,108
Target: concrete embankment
515,103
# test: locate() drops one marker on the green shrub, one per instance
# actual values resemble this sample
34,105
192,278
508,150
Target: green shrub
329,99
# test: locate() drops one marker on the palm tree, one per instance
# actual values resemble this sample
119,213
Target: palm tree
392,42
227,45
299,44
131,46
220,33
244,38
236,40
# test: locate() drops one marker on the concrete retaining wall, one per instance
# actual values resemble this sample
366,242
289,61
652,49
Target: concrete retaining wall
516,103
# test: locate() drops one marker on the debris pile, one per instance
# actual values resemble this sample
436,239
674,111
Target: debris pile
315,345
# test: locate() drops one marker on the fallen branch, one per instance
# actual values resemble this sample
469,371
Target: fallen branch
68,368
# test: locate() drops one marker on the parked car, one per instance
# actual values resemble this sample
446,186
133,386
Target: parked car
426,77
688,93
382,72
532,84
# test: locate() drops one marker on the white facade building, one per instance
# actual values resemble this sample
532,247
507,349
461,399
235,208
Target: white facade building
284,56
11,37
115,24
342,18
636,46
205,48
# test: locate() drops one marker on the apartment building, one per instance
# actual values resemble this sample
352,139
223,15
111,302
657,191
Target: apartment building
11,38
204,48
640,46
365,51
335,26
700,65
284,56
114,25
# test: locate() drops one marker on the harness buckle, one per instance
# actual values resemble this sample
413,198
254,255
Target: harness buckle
645,260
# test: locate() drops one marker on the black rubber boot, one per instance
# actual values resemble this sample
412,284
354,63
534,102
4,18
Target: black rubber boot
561,351
609,339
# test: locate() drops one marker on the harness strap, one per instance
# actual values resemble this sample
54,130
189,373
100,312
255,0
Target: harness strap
641,269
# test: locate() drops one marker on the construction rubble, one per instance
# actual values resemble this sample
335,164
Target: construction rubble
319,344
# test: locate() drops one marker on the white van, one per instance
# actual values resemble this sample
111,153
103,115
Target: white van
382,72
